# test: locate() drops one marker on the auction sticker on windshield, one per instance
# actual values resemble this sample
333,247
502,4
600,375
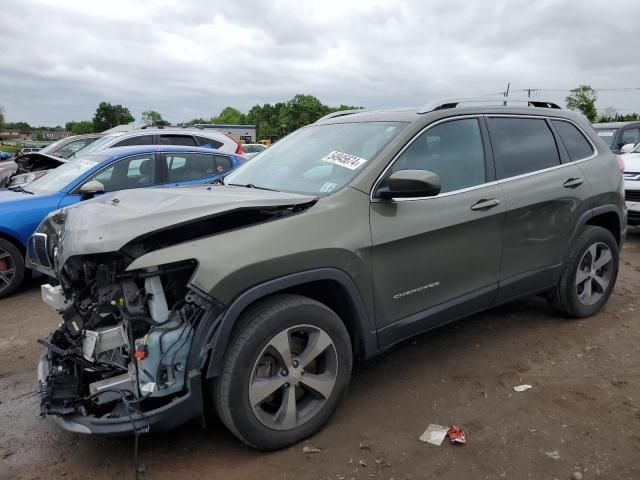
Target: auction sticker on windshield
344,160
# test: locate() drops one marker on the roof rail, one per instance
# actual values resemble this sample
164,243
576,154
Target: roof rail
341,113
445,103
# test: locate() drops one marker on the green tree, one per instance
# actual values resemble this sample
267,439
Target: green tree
583,99
1,117
80,128
109,116
151,117
22,127
231,116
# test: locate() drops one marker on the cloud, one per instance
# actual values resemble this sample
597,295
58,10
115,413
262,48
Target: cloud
191,59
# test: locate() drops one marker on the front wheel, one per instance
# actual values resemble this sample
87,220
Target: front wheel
589,274
12,268
286,370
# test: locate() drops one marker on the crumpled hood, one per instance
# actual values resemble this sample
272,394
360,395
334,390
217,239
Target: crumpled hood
31,162
107,223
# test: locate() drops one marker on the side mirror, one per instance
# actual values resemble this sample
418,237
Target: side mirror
89,189
627,148
411,183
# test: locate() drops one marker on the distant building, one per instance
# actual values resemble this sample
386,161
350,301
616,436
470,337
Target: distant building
243,133
13,135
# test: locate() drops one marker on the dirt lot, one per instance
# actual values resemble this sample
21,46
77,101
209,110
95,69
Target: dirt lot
582,414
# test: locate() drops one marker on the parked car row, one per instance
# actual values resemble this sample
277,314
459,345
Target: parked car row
624,138
254,294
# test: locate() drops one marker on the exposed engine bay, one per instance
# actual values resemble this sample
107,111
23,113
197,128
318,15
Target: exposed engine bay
124,340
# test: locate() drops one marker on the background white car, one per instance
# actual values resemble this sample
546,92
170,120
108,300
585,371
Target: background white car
189,137
632,185
252,149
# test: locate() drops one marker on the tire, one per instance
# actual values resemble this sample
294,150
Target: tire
252,358
12,269
568,296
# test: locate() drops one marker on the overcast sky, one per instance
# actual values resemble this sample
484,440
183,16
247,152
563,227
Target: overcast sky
189,59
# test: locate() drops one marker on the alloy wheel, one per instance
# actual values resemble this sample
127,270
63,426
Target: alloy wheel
293,377
7,269
594,273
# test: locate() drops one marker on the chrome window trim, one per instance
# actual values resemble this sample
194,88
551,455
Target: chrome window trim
495,182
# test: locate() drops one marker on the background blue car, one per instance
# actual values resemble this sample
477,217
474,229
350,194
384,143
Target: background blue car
5,155
23,208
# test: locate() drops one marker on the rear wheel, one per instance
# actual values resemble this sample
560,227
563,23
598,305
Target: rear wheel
286,370
589,275
11,268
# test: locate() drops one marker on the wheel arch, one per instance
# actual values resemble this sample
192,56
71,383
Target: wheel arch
14,240
329,286
608,218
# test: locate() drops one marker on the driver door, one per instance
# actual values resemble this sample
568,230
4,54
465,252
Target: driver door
136,171
438,258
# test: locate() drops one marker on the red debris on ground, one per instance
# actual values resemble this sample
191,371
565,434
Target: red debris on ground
456,435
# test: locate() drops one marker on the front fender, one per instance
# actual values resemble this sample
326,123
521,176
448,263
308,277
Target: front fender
215,329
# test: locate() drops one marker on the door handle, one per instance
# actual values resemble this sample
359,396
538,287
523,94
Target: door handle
573,183
485,204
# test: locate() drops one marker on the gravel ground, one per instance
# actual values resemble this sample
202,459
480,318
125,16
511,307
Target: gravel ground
581,419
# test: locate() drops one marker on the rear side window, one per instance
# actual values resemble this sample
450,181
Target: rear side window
577,146
208,142
137,140
522,145
183,167
186,140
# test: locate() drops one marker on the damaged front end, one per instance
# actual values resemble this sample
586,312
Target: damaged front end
119,360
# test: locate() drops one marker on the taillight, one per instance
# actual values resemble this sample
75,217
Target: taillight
620,163
239,148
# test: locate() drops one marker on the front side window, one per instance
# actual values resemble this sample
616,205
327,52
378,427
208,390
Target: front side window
137,140
186,140
522,145
131,172
453,150
577,145
318,159
182,167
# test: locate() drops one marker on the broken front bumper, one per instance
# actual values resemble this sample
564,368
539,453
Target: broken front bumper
179,411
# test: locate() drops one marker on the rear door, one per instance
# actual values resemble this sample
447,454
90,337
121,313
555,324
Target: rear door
438,258
545,195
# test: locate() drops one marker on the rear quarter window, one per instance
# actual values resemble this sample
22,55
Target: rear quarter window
575,142
522,145
208,142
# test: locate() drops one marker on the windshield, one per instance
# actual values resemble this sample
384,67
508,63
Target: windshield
97,145
607,135
52,146
318,159
60,177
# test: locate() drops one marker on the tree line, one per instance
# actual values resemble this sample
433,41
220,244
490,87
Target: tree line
272,121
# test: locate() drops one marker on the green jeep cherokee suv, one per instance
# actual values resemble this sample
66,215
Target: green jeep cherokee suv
252,297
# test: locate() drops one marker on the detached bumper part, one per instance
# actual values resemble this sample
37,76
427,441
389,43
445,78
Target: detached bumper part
179,411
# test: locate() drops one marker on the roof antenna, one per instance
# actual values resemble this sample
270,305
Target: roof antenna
506,94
